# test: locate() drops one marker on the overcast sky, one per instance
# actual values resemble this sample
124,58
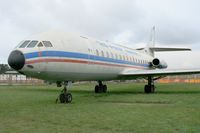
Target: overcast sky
121,21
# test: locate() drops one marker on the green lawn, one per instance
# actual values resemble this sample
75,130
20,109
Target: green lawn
125,108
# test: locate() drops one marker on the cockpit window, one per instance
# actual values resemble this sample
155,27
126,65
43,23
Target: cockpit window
40,44
47,44
32,44
19,44
24,44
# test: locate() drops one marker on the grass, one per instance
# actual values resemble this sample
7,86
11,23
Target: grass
125,108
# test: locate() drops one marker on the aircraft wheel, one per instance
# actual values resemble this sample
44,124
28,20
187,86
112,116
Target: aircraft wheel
68,98
62,98
65,98
100,89
147,89
96,89
104,88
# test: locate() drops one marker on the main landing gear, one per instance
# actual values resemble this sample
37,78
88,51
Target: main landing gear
149,88
100,88
65,96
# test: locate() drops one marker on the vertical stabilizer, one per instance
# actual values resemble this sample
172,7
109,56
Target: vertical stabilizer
151,42
150,48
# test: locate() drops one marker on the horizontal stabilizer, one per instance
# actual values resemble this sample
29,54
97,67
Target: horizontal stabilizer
160,49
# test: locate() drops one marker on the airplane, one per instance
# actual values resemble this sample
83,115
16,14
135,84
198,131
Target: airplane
63,58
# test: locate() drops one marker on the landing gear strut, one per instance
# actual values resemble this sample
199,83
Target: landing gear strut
150,88
65,97
100,88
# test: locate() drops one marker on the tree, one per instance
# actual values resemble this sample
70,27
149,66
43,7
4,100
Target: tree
3,68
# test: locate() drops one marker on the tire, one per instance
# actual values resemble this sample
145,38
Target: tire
62,98
147,89
68,98
96,89
104,88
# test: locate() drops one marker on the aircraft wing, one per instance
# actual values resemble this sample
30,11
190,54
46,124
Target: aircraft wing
156,72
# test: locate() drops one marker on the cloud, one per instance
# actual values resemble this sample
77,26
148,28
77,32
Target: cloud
127,21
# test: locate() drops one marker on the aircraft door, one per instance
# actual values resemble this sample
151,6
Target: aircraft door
90,52
43,65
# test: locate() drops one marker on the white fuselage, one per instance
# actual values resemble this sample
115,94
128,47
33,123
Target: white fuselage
78,58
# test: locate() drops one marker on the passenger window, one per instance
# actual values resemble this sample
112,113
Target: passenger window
102,53
47,44
32,44
40,45
97,52
107,54
24,44
116,56
111,55
120,57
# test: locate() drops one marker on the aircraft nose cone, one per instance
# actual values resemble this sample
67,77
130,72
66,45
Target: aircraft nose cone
16,60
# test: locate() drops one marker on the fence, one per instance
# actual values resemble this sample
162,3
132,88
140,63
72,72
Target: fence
14,78
17,79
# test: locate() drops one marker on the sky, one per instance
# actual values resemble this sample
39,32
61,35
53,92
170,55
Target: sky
126,22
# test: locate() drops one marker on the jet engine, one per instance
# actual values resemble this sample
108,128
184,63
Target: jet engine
160,64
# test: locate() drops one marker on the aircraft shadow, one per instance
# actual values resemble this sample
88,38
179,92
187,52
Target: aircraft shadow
178,92
136,92
117,92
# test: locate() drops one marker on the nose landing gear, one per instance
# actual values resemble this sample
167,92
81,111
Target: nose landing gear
65,96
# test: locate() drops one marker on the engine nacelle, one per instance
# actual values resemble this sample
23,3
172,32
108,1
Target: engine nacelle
156,63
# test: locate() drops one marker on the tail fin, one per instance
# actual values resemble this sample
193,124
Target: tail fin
151,42
151,49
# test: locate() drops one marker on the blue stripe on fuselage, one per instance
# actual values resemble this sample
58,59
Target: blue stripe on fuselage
78,55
